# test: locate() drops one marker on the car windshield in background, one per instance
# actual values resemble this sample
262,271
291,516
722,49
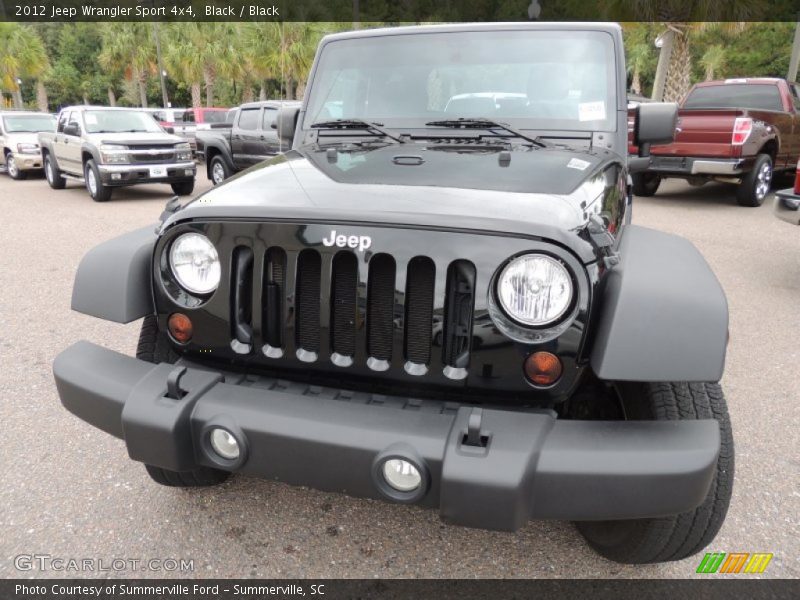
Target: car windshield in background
29,123
562,80
736,95
215,116
119,121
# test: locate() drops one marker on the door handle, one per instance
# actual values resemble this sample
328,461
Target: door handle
262,138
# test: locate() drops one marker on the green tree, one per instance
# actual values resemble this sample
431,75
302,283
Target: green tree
713,61
22,55
129,47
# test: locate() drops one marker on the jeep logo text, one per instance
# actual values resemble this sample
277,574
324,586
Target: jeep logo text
362,242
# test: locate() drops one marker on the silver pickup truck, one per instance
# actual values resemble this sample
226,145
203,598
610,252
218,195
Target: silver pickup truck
114,147
19,144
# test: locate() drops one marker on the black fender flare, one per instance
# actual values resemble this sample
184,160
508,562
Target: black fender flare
226,156
113,280
662,313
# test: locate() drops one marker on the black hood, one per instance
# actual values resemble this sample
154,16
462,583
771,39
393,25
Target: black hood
538,192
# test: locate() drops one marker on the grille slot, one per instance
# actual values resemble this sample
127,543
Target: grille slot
274,291
344,283
380,306
420,283
307,294
242,299
459,304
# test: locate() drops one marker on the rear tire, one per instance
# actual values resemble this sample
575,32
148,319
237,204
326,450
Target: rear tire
154,347
638,541
756,184
97,190
53,174
645,184
183,188
12,169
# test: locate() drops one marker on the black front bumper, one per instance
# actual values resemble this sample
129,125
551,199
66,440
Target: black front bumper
532,466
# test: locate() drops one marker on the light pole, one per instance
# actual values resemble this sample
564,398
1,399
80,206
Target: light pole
161,72
18,94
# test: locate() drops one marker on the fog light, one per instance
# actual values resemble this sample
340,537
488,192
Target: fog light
224,444
401,475
543,368
188,172
116,176
180,327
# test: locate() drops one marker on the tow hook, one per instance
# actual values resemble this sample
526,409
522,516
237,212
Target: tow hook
474,437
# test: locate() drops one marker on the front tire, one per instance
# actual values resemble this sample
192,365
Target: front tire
756,184
12,169
54,178
183,188
154,347
218,171
645,184
97,190
638,541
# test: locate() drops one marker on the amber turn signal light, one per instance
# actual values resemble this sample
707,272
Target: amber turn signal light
180,327
543,368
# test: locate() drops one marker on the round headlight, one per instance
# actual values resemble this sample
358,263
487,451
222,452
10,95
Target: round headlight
535,289
195,263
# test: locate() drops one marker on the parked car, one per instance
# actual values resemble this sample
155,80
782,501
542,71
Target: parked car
19,141
736,131
166,117
198,119
787,202
114,147
250,138
423,308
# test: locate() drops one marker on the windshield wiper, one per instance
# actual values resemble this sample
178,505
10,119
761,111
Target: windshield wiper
485,124
375,128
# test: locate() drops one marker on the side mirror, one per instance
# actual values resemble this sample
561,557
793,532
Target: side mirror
654,124
286,123
169,129
72,129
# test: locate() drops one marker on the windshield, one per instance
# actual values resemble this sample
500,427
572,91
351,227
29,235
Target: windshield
561,80
119,121
757,96
29,123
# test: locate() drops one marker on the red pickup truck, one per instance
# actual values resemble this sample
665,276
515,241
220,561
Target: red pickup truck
736,131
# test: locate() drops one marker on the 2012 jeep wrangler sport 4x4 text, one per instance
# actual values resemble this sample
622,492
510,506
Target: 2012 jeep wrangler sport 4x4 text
437,296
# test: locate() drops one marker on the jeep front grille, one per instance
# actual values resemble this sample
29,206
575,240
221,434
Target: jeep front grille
411,310
328,297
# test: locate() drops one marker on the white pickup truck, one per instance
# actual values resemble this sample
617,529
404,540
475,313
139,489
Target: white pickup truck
114,147
19,141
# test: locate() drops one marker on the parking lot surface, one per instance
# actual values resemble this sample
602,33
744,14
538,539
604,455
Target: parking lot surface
69,490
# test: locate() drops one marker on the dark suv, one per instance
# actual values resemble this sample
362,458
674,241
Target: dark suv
435,297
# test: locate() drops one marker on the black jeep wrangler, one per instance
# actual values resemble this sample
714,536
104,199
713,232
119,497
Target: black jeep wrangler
435,297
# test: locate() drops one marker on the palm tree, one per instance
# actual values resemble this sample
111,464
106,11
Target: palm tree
284,50
679,19
22,55
713,60
127,46
639,51
184,60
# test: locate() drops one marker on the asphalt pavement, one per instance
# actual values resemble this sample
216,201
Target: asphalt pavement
69,490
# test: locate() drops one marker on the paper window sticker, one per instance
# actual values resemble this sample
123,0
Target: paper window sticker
577,163
592,111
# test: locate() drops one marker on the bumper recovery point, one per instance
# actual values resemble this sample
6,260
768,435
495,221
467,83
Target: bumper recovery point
488,468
